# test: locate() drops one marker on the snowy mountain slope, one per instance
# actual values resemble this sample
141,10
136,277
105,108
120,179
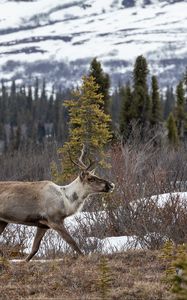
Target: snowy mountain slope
58,38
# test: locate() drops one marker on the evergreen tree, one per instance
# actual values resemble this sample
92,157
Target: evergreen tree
126,113
17,139
43,93
180,110
156,115
172,130
22,111
13,89
4,112
36,99
29,111
43,103
60,116
41,132
185,78
185,84
88,125
29,99
36,88
103,81
169,102
13,104
50,110
105,279
141,99
115,106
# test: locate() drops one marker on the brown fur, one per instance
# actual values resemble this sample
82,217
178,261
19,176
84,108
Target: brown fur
20,202
45,205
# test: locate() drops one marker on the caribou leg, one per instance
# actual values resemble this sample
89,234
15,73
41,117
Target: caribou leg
37,240
65,235
2,226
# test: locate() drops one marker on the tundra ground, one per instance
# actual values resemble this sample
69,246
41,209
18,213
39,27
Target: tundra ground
132,275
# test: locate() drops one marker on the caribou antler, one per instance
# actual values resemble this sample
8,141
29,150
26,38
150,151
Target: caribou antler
81,164
74,162
83,153
91,163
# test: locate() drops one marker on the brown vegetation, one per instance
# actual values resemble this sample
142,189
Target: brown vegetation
134,275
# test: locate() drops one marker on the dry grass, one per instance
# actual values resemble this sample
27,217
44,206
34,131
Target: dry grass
135,275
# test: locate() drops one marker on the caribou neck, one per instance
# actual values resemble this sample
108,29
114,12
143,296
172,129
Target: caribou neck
75,191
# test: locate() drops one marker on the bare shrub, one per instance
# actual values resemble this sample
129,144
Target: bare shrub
142,172
15,241
29,163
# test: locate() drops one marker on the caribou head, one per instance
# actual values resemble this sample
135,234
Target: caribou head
91,183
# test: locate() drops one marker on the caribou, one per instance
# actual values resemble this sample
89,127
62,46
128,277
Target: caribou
45,205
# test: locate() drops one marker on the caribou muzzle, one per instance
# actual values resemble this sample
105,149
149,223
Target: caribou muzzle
109,187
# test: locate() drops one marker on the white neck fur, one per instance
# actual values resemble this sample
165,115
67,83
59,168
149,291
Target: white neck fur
75,191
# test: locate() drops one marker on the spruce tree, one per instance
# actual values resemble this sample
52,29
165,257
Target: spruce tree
185,78
36,99
43,103
126,113
156,115
36,89
17,139
13,104
116,106
29,99
29,111
60,117
103,81
4,104
141,97
185,84
88,125
180,113
13,89
105,279
50,109
169,102
172,130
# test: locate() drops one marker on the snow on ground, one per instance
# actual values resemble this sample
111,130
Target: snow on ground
163,199
119,244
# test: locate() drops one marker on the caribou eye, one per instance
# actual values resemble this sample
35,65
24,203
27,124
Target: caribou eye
91,179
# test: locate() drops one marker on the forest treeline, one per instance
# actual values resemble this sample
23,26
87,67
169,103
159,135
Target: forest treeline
30,114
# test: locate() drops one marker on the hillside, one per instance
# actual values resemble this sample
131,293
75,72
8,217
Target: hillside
57,41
